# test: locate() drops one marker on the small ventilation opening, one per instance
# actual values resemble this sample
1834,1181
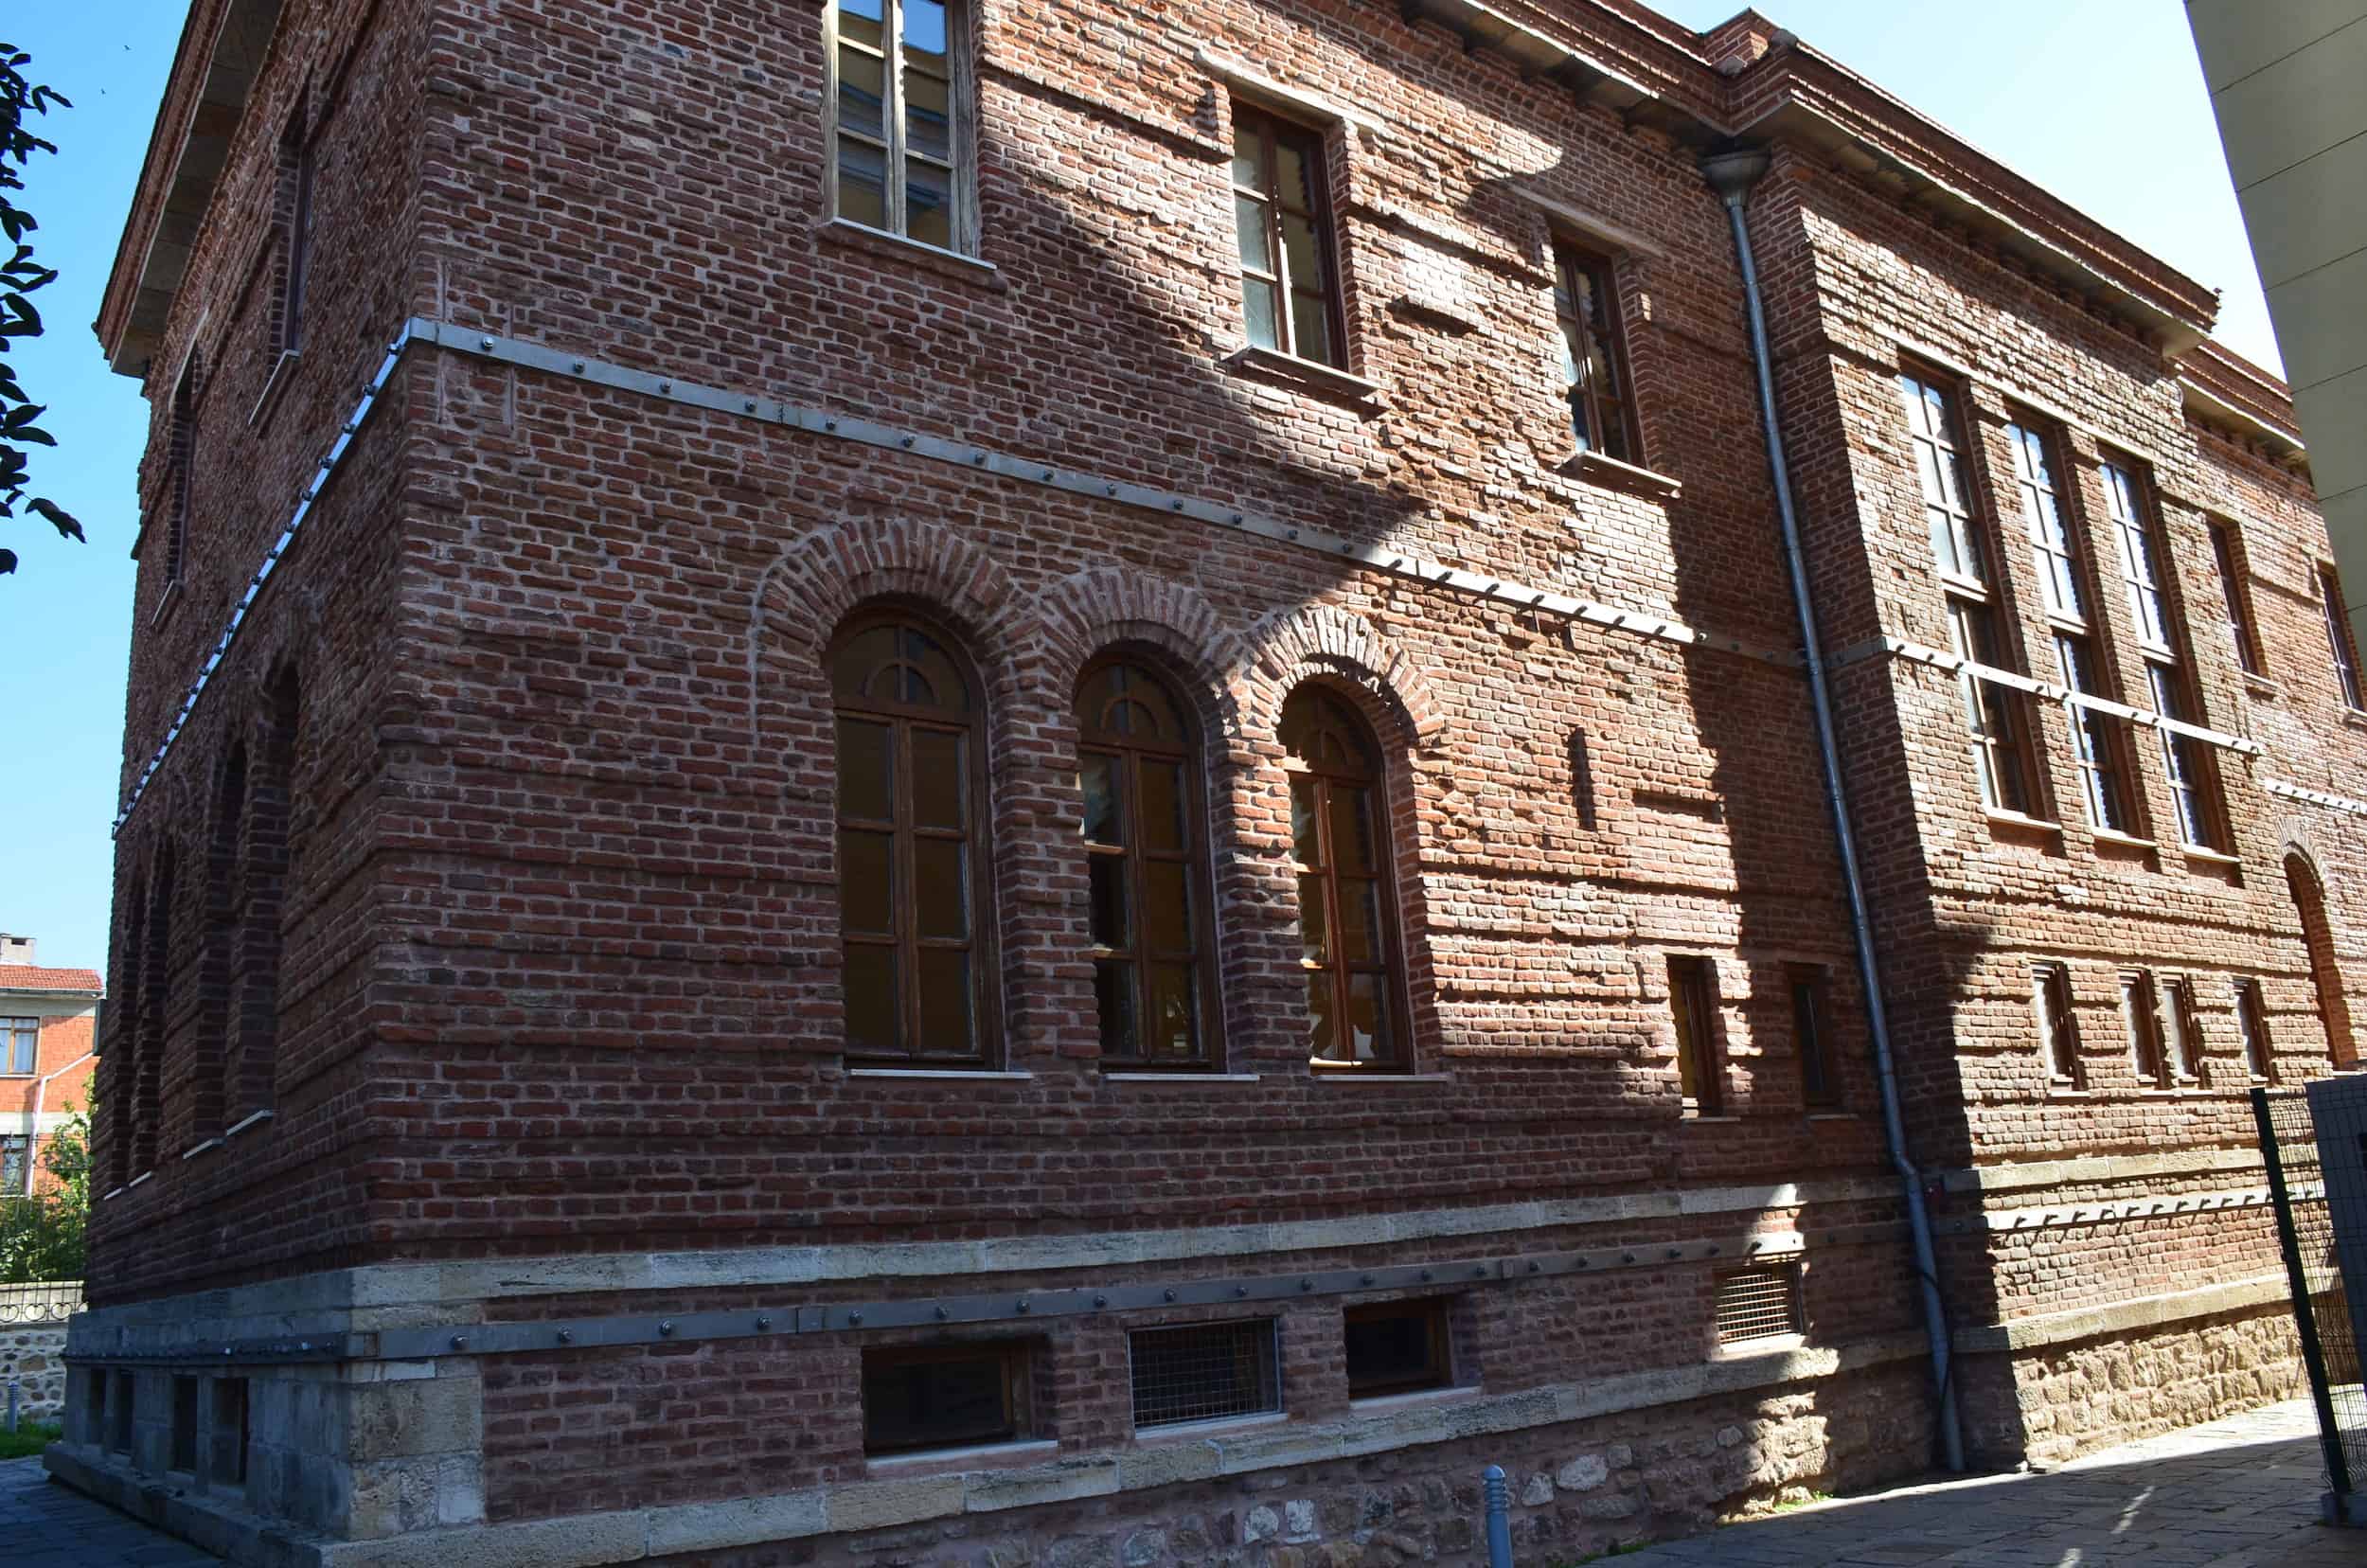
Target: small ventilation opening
230,1431
119,1414
1206,1372
185,1425
1759,1303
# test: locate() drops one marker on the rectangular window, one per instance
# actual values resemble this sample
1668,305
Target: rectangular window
1693,1002
943,1396
180,452
1755,1304
2183,759
16,1164
1205,1372
2096,738
1282,219
1593,357
1397,1348
119,1412
296,163
1819,1083
230,1433
2251,1021
2058,1028
23,1044
2139,555
2236,585
2001,749
184,1425
900,153
2182,1045
2052,546
1947,499
2338,639
2143,1021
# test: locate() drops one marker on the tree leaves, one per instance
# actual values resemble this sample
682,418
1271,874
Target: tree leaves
20,276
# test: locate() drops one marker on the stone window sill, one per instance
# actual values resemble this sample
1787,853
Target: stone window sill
961,1075
2263,688
282,371
2022,821
984,1456
1300,375
1695,1119
1185,1431
165,604
1382,1403
205,1147
2209,856
1140,1077
898,247
2356,719
2126,841
1766,1344
1609,472
1337,1072
1833,1115
247,1123
143,1177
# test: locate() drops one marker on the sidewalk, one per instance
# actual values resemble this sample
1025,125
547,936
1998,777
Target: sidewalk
46,1526
2238,1494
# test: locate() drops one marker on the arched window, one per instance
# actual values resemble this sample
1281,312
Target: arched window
267,853
911,863
1145,851
217,957
147,1054
2334,1010
1347,908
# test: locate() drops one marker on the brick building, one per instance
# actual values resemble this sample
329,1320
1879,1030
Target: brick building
1046,784
47,1023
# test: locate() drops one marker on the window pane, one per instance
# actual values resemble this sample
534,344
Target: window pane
852,668
1320,1044
935,1402
1114,998
1163,806
1295,159
861,183
1166,907
940,778
1174,1012
945,1001
871,999
1394,1348
941,887
1097,780
1261,314
860,19
931,679
866,901
1249,230
1368,1017
928,115
928,203
1105,876
1360,922
862,93
1310,328
1299,253
1351,829
1248,154
1305,848
924,32
1313,943
866,770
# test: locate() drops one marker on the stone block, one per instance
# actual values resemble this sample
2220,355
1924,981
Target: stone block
1062,1481
876,1504
741,1522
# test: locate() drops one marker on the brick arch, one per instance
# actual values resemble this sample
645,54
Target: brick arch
2305,882
1291,646
1085,615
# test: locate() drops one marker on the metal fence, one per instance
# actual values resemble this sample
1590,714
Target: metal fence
2322,1314
52,1302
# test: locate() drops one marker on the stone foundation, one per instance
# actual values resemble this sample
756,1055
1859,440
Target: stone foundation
34,1356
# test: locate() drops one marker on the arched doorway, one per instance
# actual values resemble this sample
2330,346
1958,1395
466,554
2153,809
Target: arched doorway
2309,899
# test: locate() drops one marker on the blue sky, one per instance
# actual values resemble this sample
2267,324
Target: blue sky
2100,101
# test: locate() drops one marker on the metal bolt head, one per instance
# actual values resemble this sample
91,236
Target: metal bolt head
1101,1301
1240,1289
665,386
665,1326
460,1342
485,344
1023,1304
1170,1296
854,1317
566,1336
943,1314
764,1324
1426,1275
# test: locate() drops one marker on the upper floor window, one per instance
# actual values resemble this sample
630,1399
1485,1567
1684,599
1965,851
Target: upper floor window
2052,545
2141,1015
911,880
2235,583
900,153
2000,741
295,165
2139,555
1820,1082
1939,463
2251,1023
2097,740
180,455
1146,856
2338,639
23,1043
1282,220
1692,1007
1593,360
2183,758
1347,903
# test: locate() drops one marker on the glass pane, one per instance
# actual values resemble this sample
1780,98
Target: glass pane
1166,907
1311,329
871,998
1305,848
940,778
941,887
945,1002
1320,1044
924,33
1162,805
1290,173
1248,231
931,679
1261,314
1105,876
928,115
1113,996
1360,922
866,883
1301,255
860,19
1174,1030
1368,1018
929,204
863,93
850,669
936,1403
1097,780
861,183
1351,829
866,770
1314,945
1248,154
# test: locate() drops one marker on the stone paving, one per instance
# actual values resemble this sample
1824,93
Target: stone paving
2239,1493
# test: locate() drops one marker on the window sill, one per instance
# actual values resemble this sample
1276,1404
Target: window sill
282,372
2263,688
247,1123
165,604
106,1197
2126,841
1964,587
1300,375
1695,1119
1834,1115
962,1074
2022,821
1218,1427
1609,472
143,1176
1348,1072
1375,1405
898,247
2056,622
205,1147
2356,719
990,1455
1138,1076
1765,1344
2209,856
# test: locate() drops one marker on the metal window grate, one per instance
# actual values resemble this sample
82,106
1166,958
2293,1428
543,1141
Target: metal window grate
1204,1373
1756,1303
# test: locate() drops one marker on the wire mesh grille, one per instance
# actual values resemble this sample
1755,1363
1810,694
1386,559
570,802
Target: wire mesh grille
1755,1302
2308,1229
1204,1373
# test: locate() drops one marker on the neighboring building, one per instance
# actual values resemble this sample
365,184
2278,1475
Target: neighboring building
1037,785
48,1019
2285,83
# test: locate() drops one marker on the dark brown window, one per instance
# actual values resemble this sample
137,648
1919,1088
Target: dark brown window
1138,771
2141,1012
1397,1348
2236,585
1347,905
1203,1372
2058,1028
2251,1021
2338,639
2194,781
180,455
2000,740
1282,218
296,163
910,851
1693,1003
1594,356
1819,1082
899,119
1759,1303
955,1396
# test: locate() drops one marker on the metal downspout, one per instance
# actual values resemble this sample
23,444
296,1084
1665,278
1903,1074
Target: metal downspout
1732,175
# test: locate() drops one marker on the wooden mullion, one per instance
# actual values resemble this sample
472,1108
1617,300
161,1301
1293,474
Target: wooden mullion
892,111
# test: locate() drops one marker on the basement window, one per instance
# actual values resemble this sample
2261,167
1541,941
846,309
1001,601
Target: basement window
1756,1304
945,1397
1203,1372
1397,1348
231,1432
183,1426
119,1413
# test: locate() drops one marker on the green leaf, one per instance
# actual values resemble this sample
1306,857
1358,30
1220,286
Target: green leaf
58,518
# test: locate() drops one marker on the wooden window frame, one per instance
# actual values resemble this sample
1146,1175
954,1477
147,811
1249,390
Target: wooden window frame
961,130
2141,1015
2227,548
1693,1009
1389,972
1819,1075
299,166
2099,741
2339,644
976,834
1609,337
2182,1031
2062,572
16,1028
1017,1373
2144,560
1314,147
2059,1024
1128,751
2251,1027
1942,440
2196,810
1439,1368
1996,717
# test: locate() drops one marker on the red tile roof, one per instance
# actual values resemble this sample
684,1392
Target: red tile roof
27,977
